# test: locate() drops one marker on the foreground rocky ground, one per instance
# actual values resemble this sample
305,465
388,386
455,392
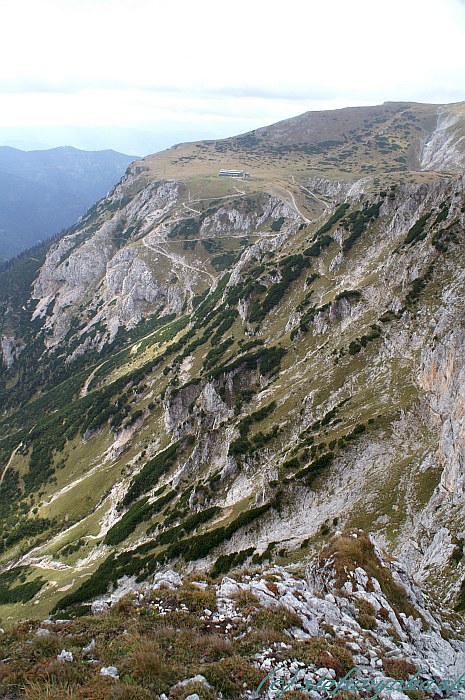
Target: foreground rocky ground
349,613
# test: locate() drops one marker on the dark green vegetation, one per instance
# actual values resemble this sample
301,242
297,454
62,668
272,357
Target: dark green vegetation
12,592
315,468
143,562
290,269
242,445
27,528
266,360
323,240
136,514
417,287
148,477
417,232
357,222
338,214
320,244
226,562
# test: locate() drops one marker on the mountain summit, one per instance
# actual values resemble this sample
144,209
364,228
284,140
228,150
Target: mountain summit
389,139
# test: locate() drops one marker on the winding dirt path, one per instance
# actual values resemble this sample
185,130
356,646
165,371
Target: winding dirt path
177,260
85,387
315,196
195,211
290,200
12,456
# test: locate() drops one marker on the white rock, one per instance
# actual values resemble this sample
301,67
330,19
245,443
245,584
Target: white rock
194,679
41,632
361,660
110,671
361,577
227,588
65,656
299,634
314,695
322,672
90,647
99,607
167,579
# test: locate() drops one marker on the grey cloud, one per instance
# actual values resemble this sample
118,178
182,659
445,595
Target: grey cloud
29,85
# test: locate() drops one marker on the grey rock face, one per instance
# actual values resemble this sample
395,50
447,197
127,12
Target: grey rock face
10,350
167,579
441,150
89,261
442,375
99,607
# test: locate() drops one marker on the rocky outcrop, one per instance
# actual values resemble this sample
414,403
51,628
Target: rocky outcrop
120,264
442,375
337,190
10,350
87,268
443,148
130,285
378,616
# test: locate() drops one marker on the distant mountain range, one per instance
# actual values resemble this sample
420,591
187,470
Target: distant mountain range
43,192
138,142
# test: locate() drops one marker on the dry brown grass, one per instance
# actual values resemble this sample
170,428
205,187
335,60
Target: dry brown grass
351,552
50,691
278,618
125,605
228,676
323,652
196,599
127,691
245,599
399,668
43,647
184,691
256,640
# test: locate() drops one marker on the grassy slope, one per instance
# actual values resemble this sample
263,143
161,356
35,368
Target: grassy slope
351,378
379,386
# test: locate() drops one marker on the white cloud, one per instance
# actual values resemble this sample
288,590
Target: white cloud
98,62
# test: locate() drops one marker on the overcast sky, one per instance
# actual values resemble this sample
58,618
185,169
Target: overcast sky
221,67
